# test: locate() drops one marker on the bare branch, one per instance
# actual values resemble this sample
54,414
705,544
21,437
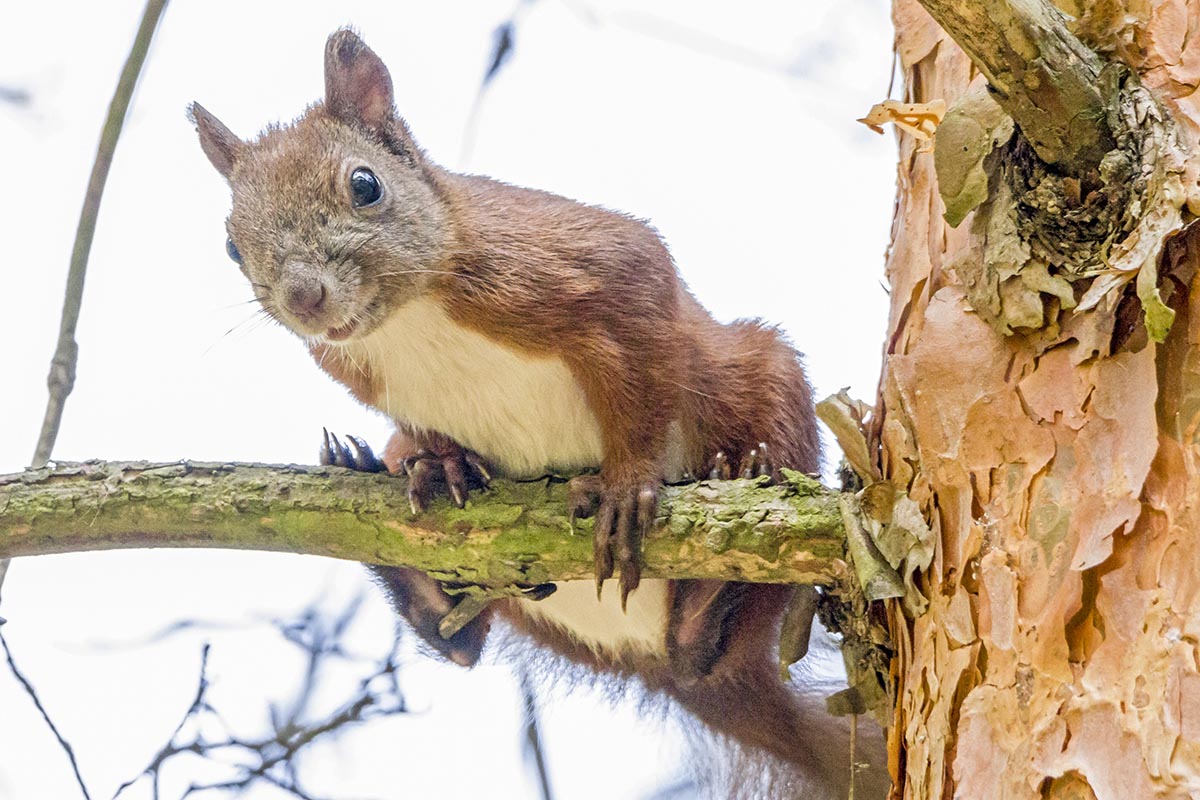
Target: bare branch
33,695
533,737
62,365
15,95
271,759
515,533
1043,76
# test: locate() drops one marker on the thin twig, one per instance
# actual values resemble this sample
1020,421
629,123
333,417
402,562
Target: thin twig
853,754
15,95
272,759
503,45
199,703
62,366
61,379
533,738
29,690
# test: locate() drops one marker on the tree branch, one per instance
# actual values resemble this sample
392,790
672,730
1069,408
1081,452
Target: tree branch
516,532
66,353
1043,76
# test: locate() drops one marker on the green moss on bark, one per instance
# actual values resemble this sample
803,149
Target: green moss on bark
516,532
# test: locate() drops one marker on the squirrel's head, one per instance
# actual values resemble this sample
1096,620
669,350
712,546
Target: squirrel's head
336,219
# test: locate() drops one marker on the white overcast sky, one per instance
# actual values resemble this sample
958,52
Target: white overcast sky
730,126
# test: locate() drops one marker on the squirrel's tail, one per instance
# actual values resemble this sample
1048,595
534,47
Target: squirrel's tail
745,700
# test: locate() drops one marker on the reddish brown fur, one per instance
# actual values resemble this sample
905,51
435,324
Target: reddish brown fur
355,377
603,294
552,277
742,697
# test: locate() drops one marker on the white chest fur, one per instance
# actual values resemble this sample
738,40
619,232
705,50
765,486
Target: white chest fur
603,625
522,413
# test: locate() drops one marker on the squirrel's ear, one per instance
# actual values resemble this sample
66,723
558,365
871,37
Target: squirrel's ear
358,87
219,143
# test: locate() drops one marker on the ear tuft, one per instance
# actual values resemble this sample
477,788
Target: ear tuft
219,143
358,88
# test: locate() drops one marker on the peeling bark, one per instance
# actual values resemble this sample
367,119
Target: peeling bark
1058,466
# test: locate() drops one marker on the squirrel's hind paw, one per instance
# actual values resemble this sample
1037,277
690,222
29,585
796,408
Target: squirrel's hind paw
755,463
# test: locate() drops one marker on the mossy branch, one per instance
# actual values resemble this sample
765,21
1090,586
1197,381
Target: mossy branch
1041,74
516,532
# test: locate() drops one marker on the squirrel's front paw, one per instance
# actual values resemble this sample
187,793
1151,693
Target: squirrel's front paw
354,453
457,469
441,463
624,514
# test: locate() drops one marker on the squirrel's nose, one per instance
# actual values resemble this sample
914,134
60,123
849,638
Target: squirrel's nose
304,296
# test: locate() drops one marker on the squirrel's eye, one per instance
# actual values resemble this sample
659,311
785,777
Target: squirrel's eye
365,188
232,250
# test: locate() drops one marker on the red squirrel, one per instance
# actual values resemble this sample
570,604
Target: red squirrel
514,330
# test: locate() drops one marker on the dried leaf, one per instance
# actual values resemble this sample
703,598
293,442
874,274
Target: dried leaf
796,628
919,120
1104,286
845,416
846,702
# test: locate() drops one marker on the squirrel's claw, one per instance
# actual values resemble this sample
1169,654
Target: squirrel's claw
365,459
720,468
419,483
583,497
328,455
478,467
602,544
628,545
757,463
623,516
457,469
357,455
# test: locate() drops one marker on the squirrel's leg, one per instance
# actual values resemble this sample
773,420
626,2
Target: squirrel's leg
419,598
624,511
702,610
423,602
701,616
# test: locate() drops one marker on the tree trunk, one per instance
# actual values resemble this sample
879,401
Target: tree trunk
1028,407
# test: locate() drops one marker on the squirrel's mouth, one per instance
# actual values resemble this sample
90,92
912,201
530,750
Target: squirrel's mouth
357,320
343,333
